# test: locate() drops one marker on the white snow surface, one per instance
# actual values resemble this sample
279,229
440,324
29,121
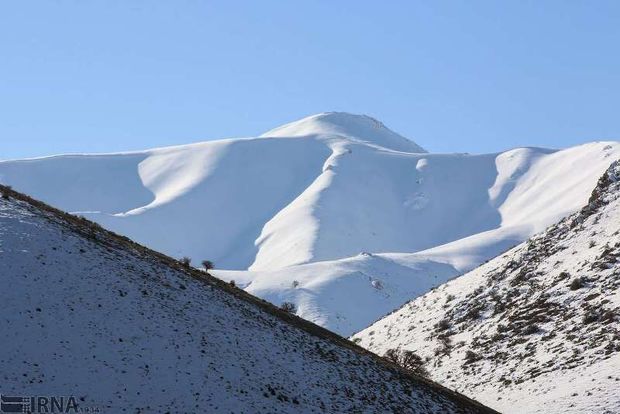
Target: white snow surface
536,330
303,201
85,313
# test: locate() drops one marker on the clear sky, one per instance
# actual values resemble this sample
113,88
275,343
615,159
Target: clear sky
454,76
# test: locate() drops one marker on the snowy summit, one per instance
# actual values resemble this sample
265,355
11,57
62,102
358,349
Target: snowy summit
361,128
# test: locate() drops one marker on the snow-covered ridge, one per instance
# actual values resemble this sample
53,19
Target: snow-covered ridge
350,213
90,314
534,330
341,124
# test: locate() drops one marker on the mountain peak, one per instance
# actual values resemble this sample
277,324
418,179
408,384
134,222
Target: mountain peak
357,127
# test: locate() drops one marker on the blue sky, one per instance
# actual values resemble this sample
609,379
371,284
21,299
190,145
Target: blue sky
454,76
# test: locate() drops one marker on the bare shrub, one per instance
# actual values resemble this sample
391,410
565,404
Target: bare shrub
288,307
471,357
207,265
409,360
576,283
442,325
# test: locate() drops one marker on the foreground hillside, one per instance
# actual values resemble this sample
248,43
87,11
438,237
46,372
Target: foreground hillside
534,330
90,314
333,212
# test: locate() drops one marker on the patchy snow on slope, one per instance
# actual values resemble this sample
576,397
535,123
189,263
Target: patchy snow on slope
536,330
88,314
318,191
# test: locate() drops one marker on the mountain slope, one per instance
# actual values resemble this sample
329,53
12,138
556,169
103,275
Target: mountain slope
120,327
534,330
312,195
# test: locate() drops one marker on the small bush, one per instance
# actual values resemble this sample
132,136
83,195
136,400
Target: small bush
185,261
442,325
409,360
473,313
207,265
590,317
5,194
576,283
392,355
563,275
471,356
531,329
607,251
413,362
445,342
288,307
499,307
232,283
295,284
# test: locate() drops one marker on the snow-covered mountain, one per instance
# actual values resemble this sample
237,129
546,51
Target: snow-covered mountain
536,330
334,212
89,314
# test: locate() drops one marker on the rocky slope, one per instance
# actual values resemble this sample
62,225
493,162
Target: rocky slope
534,330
